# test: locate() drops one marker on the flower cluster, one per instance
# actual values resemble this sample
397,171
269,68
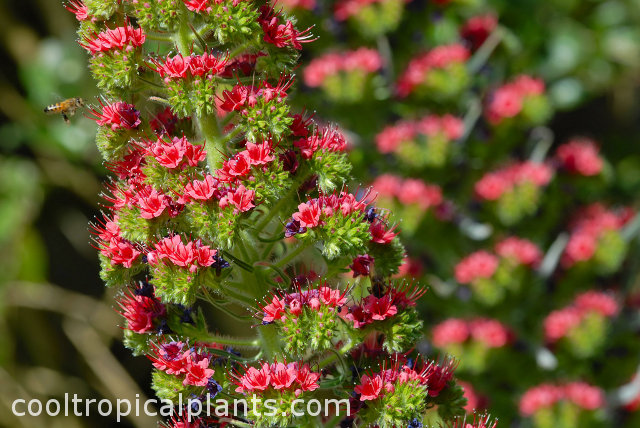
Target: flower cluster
515,189
522,99
424,142
583,324
580,156
546,402
370,17
471,341
142,312
178,362
390,310
398,393
440,72
492,276
477,30
307,319
282,381
344,76
595,238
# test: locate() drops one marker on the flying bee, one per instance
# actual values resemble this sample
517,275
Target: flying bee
66,108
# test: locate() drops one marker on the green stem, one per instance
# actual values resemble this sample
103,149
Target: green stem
293,254
182,37
243,342
270,344
214,143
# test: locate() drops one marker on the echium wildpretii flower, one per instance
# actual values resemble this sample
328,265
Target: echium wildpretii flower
493,276
220,194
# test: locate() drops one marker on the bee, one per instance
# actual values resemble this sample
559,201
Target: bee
66,108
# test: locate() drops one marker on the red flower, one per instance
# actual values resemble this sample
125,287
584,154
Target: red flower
169,357
361,265
120,252
176,67
235,99
437,375
140,311
79,9
306,379
273,311
151,203
521,250
584,395
118,38
259,154
369,388
117,115
255,380
477,29
380,234
490,332
380,308
173,249
602,303
197,370
168,154
201,190
539,397
241,199
558,323
308,214
198,5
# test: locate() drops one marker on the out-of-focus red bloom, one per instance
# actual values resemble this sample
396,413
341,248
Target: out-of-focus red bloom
477,29
439,57
560,322
480,264
543,396
580,156
494,184
452,330
508,100
362,59
521,250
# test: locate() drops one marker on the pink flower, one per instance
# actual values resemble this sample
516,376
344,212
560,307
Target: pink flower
559,323
491,186
490,332
120,252
521,250
580,156
201,190
480,264
380,233
584,395
581,247
198,5
79,9
601,303
452,330
539,397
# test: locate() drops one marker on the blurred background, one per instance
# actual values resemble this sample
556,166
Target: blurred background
58,330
